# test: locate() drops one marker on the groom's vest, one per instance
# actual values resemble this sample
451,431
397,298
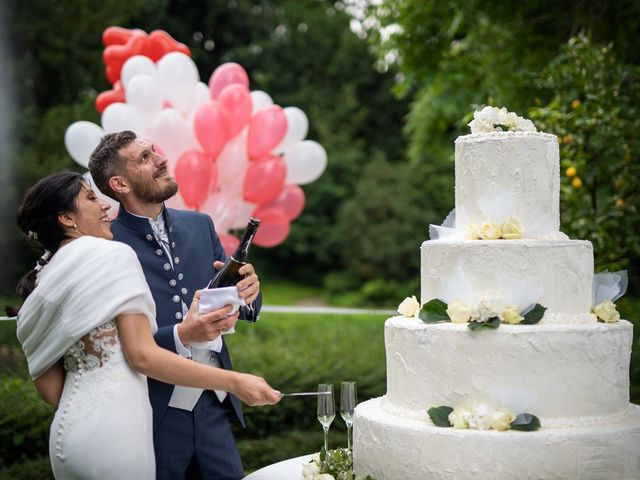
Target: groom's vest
194,247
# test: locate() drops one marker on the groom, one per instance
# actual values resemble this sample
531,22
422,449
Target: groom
192,434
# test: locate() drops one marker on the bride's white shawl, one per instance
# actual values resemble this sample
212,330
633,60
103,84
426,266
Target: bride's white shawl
87,283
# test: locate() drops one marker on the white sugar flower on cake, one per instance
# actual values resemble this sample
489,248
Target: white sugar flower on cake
492,119
482,417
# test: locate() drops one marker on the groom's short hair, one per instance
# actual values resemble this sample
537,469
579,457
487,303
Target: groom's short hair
106,161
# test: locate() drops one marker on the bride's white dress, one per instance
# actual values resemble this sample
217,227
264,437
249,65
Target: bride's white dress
103,426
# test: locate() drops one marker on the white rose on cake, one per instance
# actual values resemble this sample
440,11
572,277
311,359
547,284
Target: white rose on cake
458,311
501,419
458,418
481,417
483,312
607,312
473,231
409,307
511,314
511,229
489,231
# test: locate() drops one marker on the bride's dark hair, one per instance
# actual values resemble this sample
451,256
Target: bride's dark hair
38,214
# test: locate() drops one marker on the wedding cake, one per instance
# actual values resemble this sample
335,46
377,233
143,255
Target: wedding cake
505,348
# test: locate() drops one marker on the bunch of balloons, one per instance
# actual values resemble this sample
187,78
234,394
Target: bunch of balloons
232,151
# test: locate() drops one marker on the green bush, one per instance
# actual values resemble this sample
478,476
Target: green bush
24,420
296,352
35,469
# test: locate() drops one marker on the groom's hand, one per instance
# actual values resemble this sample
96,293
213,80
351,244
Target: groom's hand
198,327
249,286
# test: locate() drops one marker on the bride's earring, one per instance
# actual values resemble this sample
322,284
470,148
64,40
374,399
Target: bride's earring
75,225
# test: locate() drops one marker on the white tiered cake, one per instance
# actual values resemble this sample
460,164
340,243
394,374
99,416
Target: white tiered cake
568,370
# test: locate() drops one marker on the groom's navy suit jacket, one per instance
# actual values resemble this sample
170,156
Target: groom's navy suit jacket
194,247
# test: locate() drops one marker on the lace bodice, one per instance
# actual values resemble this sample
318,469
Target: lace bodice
93,350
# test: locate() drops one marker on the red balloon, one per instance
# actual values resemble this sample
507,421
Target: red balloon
211,126
193,172
237,101
163,43
264,180
227,74
213,180
229,243
290,201
117,35
266,129
110,96
114,56
274,227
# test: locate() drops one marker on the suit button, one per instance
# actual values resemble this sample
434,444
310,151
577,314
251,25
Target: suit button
176,298
159,252
166,266
149,237
184,291
173,282
180,276
176,260
178,316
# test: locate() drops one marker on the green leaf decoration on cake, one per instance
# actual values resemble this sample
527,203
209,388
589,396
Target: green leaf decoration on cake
434,311
440,415
534,315
490,324
525,422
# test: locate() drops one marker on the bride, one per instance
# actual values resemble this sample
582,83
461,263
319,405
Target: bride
86,328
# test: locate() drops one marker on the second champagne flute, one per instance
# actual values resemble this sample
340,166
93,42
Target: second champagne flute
326,410
348,402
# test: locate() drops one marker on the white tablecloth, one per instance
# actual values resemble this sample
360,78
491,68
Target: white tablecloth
290,469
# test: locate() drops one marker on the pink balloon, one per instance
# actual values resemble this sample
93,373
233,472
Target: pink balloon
274,227
211,126
229,243
213,180
193,173
227,74
264,180
290,201
266,129
237,101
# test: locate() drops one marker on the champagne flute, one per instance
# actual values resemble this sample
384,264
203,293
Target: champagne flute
348,401
326,410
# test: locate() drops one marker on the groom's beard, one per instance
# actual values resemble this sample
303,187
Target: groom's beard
151,192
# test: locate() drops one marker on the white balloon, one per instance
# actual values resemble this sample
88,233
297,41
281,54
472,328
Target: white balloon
80,139
232,163
201,95
305,161
120,116
113,211
297,128
136,65
145,94
173,132
259,101
178,76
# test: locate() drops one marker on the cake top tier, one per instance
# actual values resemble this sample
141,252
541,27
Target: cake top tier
507,178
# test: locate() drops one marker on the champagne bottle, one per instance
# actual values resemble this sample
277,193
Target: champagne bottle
228,275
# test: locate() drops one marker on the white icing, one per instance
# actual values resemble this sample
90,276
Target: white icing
558,274
552,371
391,447
508,174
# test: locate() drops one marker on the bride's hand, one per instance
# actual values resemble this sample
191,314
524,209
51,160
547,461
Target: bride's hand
254,390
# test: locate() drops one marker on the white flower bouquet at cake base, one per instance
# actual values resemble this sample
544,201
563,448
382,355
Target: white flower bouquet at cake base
335,464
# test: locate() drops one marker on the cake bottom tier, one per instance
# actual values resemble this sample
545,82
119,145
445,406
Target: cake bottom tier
389,447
